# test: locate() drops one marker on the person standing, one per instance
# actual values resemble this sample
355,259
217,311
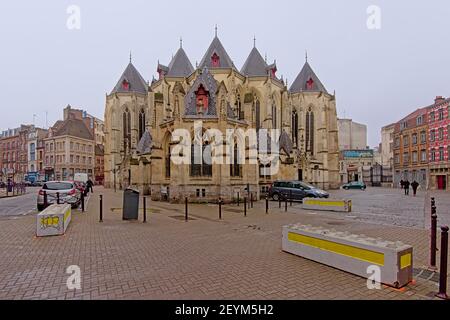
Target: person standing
406,184
414,186
90,186
402,184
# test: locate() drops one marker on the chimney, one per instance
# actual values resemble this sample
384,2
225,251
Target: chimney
438,100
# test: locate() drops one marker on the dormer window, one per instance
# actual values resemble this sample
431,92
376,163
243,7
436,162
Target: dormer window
125,85
215,61
202,100
310,84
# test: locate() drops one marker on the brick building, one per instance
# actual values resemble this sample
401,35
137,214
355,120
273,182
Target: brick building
14,154
439,136
99,169
411,148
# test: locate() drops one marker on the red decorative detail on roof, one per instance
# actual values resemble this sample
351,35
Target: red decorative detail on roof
310,84
274,72
202,99
215,61
125,85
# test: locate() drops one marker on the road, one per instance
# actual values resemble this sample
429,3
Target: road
19,206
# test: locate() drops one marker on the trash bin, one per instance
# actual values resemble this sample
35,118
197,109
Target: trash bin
130,204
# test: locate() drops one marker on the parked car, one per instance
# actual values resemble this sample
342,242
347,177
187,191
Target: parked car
297,189
40,183
68,193
354,185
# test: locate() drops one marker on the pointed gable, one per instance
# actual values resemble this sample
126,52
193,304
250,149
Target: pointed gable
255,65
216,56
130,81
307,81
180,66
206,84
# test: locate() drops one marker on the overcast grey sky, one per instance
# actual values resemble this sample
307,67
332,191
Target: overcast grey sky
379,75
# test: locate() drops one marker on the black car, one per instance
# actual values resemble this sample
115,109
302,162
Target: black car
295,189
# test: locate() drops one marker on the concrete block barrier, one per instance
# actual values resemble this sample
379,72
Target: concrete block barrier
351,253
327,204
54,220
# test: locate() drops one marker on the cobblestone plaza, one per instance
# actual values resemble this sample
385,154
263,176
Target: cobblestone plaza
206,258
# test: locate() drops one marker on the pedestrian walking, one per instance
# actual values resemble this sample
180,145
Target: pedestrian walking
414,186
406,185
402,184
90,186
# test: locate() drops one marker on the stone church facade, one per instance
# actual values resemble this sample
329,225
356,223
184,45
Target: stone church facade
141,117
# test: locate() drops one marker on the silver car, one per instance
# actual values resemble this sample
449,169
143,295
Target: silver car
65,191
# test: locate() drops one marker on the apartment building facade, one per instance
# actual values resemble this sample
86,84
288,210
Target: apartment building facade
69,149
439,151
411,149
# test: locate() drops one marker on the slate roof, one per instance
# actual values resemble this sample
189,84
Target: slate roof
286,143
145,144
74,128
307,73
99,150
216,47
180,66
255,65
135,80
209,83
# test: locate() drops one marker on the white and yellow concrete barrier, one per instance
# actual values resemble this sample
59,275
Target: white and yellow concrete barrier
327,204
54,220
355,254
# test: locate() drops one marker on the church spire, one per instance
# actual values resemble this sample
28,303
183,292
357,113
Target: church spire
216,56
307,80
215,31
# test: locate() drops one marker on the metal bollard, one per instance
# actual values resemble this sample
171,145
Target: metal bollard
82,201
267,205
57,198
433,202
290,198
220,209
251,200
279,201
144,199
186,218
238,199
285,204
245,206
444,258
433,244
101,208
45,200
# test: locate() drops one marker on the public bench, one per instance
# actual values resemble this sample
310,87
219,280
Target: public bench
327,204
54,220
351,253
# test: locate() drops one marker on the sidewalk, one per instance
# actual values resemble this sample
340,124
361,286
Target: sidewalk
3,194
168,258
